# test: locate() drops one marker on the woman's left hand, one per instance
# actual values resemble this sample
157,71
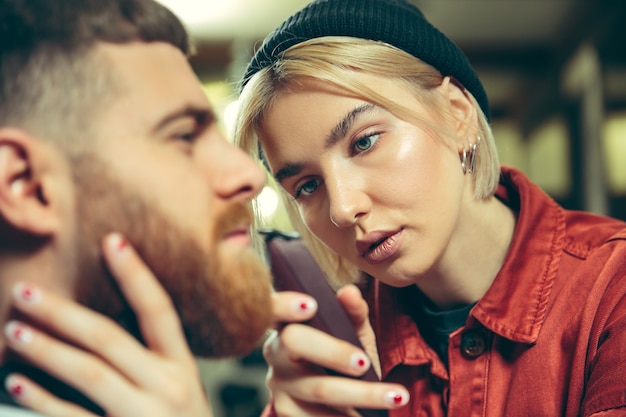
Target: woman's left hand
100,358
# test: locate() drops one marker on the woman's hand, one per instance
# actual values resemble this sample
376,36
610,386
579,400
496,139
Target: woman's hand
296,354
102,360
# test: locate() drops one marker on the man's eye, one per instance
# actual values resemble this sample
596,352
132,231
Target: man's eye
187,136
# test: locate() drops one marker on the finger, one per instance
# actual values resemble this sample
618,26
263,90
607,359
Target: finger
353,303
340,392
83,327
286,406
290,306
29,394
159,323
297,343
96,379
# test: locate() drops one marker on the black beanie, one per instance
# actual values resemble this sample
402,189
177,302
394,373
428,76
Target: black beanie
395,22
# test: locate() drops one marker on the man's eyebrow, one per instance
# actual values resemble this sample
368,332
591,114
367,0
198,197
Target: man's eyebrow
341,129
202,116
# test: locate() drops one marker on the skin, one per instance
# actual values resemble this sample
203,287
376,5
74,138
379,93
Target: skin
297,387
159,378
160,136
384,173
379,173
109,364
167,104
161,141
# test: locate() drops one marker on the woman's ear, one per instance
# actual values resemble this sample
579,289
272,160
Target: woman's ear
460,107
23,199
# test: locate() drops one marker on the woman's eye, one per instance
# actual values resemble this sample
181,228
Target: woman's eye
365,143
307,188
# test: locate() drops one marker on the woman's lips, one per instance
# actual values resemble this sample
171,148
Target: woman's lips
377,247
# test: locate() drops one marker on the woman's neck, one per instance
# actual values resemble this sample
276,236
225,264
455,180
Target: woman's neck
474,255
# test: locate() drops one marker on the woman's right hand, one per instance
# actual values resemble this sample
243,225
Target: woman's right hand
296,355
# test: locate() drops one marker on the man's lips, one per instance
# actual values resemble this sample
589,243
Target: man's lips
240,234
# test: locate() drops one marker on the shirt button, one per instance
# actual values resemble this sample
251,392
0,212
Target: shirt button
472,344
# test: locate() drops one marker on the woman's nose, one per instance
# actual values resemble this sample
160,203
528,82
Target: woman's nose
348,204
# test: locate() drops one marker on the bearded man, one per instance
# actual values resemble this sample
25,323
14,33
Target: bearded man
104,127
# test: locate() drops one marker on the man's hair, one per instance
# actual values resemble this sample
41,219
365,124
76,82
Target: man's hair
51,84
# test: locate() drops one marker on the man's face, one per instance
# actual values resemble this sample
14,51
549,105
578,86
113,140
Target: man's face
160,173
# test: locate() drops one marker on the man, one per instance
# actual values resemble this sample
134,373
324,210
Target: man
104,127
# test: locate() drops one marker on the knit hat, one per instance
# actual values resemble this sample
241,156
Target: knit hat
396,22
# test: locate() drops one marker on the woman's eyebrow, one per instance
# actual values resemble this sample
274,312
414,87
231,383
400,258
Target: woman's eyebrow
289,170
343,126
336,134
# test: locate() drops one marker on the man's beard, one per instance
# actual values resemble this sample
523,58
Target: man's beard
223,299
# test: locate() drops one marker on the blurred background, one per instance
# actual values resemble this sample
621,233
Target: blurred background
555,74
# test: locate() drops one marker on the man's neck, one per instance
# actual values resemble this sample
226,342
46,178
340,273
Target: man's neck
11,363
46,267
43,268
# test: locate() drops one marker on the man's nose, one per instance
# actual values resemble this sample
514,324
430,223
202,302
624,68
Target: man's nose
240,177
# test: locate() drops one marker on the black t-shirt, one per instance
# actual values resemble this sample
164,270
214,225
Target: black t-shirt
434,325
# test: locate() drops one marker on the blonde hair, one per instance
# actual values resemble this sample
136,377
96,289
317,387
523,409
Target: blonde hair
334,60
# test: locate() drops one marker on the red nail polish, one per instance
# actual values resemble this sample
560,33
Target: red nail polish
28,293
18,332
122,243
358,361
17,390
14,386
303,306
396,399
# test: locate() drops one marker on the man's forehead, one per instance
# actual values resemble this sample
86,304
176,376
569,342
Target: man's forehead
152,79
153,64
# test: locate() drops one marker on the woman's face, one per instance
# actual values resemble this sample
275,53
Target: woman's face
379,191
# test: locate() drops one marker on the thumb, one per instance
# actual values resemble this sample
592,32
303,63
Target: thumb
351,299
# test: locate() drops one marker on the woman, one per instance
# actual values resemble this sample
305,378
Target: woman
486,297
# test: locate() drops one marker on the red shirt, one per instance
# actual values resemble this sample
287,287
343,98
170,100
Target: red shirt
547,339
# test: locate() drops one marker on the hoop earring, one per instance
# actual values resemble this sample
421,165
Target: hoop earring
468,157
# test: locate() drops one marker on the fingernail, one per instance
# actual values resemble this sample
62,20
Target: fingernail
117,242
396,398
17,186
18,332
14,386
305,306
359,361
26,292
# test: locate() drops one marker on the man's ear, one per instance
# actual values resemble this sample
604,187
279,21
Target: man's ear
23,203
461,108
